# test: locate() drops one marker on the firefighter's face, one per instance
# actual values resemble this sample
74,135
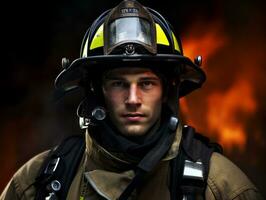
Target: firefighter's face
133,98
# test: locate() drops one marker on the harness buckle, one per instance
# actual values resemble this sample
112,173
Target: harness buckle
193,180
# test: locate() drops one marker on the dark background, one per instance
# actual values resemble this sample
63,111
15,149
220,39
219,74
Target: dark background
229,34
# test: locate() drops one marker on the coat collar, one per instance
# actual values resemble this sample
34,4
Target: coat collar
114,161
109,173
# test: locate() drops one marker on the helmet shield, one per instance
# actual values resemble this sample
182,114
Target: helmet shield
129,25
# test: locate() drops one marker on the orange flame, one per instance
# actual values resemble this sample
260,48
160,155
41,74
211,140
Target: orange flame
204,44
225,114
227,110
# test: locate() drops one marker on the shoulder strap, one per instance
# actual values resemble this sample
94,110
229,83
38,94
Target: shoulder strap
58,170
191,167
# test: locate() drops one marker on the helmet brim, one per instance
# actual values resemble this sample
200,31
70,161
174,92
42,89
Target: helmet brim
191,76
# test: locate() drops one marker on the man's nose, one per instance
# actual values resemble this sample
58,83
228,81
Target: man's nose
133,97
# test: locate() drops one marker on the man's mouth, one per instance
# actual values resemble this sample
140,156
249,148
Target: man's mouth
133,117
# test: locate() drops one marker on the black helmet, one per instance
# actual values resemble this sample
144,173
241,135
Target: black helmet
128,35
131,35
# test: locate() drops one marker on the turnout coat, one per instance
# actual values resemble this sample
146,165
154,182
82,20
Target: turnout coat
103,175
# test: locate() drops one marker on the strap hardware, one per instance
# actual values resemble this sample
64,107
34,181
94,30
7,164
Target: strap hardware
193,183
193,170
51,167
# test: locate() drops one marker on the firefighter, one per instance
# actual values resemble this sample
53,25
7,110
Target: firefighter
133,72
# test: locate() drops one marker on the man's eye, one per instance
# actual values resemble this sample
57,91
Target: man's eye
118,84
147,84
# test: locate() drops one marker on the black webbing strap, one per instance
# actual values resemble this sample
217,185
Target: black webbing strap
177,166
61,165
147,164
152,158
193,148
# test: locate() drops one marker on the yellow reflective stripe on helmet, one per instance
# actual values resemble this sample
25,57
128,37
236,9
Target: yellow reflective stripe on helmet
161,37
177,48
97,40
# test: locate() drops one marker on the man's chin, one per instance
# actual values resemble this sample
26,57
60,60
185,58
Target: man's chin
134,131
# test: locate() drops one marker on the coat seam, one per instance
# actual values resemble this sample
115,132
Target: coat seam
240,191
213,187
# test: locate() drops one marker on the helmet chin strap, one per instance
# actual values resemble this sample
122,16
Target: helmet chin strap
91,109
90,115
173,98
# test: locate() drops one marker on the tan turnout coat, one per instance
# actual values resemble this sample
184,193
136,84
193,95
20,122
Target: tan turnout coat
106,175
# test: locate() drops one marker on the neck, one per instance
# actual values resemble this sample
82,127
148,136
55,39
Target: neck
151,133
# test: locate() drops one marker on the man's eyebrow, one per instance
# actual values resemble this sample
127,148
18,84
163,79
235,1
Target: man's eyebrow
111,77
150,78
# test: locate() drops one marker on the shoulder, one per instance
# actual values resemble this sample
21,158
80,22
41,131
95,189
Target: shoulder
30,169
227,181
25,177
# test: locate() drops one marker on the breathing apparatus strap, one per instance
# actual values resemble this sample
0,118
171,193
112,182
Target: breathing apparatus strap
58,170
152,158
189,170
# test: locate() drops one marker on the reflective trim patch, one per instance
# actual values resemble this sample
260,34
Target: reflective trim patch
161,37
85,49
177,48
97,40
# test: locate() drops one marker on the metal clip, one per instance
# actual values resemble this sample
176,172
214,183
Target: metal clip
84,122
193,179
52,165
52,196
193,170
